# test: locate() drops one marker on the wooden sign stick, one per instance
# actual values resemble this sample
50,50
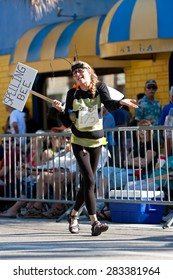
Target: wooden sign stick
42,96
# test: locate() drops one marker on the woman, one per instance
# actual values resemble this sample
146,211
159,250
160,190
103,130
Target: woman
144,154
142,158
82,114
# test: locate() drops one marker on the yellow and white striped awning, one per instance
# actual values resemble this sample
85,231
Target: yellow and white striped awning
48,44
137,29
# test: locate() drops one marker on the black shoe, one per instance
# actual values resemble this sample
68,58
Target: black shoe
97,228
73,228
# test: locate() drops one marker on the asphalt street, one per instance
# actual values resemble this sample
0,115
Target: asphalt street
41,238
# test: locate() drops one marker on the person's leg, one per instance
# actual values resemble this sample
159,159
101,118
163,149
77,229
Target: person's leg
87,159
102,186
15,207
35,210
103,180
57,181
12,211
42,187
113,179
62,178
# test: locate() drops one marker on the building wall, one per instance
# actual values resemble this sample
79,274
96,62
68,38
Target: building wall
142,70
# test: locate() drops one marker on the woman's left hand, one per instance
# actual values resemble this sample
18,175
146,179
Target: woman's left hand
129,103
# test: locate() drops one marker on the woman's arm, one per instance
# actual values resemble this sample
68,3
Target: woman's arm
63,113
139,161
4,171
111,104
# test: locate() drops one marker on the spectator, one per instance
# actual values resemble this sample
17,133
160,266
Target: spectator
166,119
36,155
160,179
122,118
109,123
133,122
51,179
60,170
17,123
53,119
16,120
166,108
31,125
140,95
55,180
149,108
140,156
60,173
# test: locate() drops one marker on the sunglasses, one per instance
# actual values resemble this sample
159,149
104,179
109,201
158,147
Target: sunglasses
152,87
79,71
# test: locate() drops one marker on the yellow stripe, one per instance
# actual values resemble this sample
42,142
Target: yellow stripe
144,20
84,38
137,47
49,44
21,51
106,24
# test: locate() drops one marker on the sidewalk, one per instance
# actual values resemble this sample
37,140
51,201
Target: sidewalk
46,239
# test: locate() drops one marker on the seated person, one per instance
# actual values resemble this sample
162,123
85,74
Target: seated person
62,174
160,180
141,156
144,153
57,180
59,166
39,152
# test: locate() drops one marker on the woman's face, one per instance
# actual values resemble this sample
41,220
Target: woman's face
144,134
82,76
56,143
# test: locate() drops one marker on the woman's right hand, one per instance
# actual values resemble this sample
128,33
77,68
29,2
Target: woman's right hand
57,105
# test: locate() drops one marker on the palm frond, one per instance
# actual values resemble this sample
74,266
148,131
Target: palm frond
39,7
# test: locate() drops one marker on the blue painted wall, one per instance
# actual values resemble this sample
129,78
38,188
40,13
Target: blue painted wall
16,18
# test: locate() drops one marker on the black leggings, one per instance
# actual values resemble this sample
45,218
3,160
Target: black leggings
87,159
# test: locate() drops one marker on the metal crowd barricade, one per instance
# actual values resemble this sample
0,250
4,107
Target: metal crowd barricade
21,174
24,169
118,179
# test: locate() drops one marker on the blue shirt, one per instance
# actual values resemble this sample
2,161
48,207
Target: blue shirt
149,110
121,116
108,122
164,113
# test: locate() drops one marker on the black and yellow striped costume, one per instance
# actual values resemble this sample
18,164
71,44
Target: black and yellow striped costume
76,99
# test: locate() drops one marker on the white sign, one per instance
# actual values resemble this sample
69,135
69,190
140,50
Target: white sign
20,86
115,94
